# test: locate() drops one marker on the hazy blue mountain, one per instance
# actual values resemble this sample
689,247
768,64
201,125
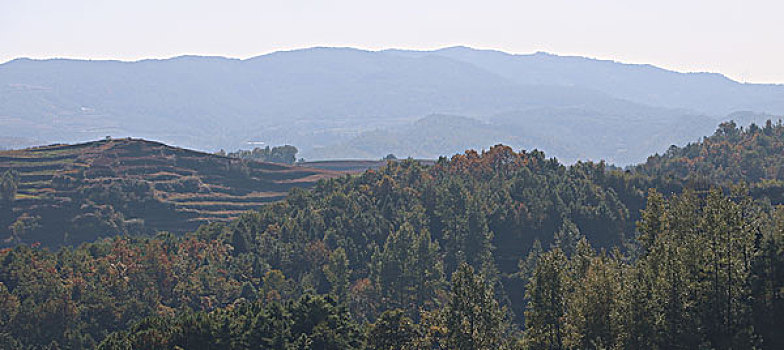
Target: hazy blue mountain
209,102
339,102
426,138
703,92
571,134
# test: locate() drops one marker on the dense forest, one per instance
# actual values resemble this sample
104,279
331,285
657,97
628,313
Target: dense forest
752,154
491,250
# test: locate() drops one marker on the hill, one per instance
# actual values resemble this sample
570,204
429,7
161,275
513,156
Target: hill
424,138
324,98
733,154
68,194
570,133
501,241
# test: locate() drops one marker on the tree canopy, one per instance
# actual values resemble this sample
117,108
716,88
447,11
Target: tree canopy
490,250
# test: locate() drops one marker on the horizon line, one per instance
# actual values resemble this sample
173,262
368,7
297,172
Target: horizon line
435,49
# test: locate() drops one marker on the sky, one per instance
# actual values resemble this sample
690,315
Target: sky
743,39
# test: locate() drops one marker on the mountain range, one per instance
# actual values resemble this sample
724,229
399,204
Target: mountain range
335,103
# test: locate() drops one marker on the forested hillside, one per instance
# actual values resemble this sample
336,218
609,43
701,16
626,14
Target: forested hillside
708,272
734,153
491,250
69,194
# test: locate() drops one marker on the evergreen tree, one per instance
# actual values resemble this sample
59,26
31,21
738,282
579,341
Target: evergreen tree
594,320
767,283
408,271
393,331
473,318
653,220
527,266
725,296
338,274
567,237
545,296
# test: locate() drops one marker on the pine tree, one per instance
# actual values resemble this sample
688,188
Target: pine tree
653,220
594,320
527,266
638,308
567,237
393,331
767,283
545,296
725,306
408,270
338,274
472,316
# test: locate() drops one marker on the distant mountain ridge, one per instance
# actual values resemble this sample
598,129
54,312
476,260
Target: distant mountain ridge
320,99
704,92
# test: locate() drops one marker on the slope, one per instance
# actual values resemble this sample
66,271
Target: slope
732,154
68,194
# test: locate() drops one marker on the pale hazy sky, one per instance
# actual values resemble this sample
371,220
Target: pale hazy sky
742,39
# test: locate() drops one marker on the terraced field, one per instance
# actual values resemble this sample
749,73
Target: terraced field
72,193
